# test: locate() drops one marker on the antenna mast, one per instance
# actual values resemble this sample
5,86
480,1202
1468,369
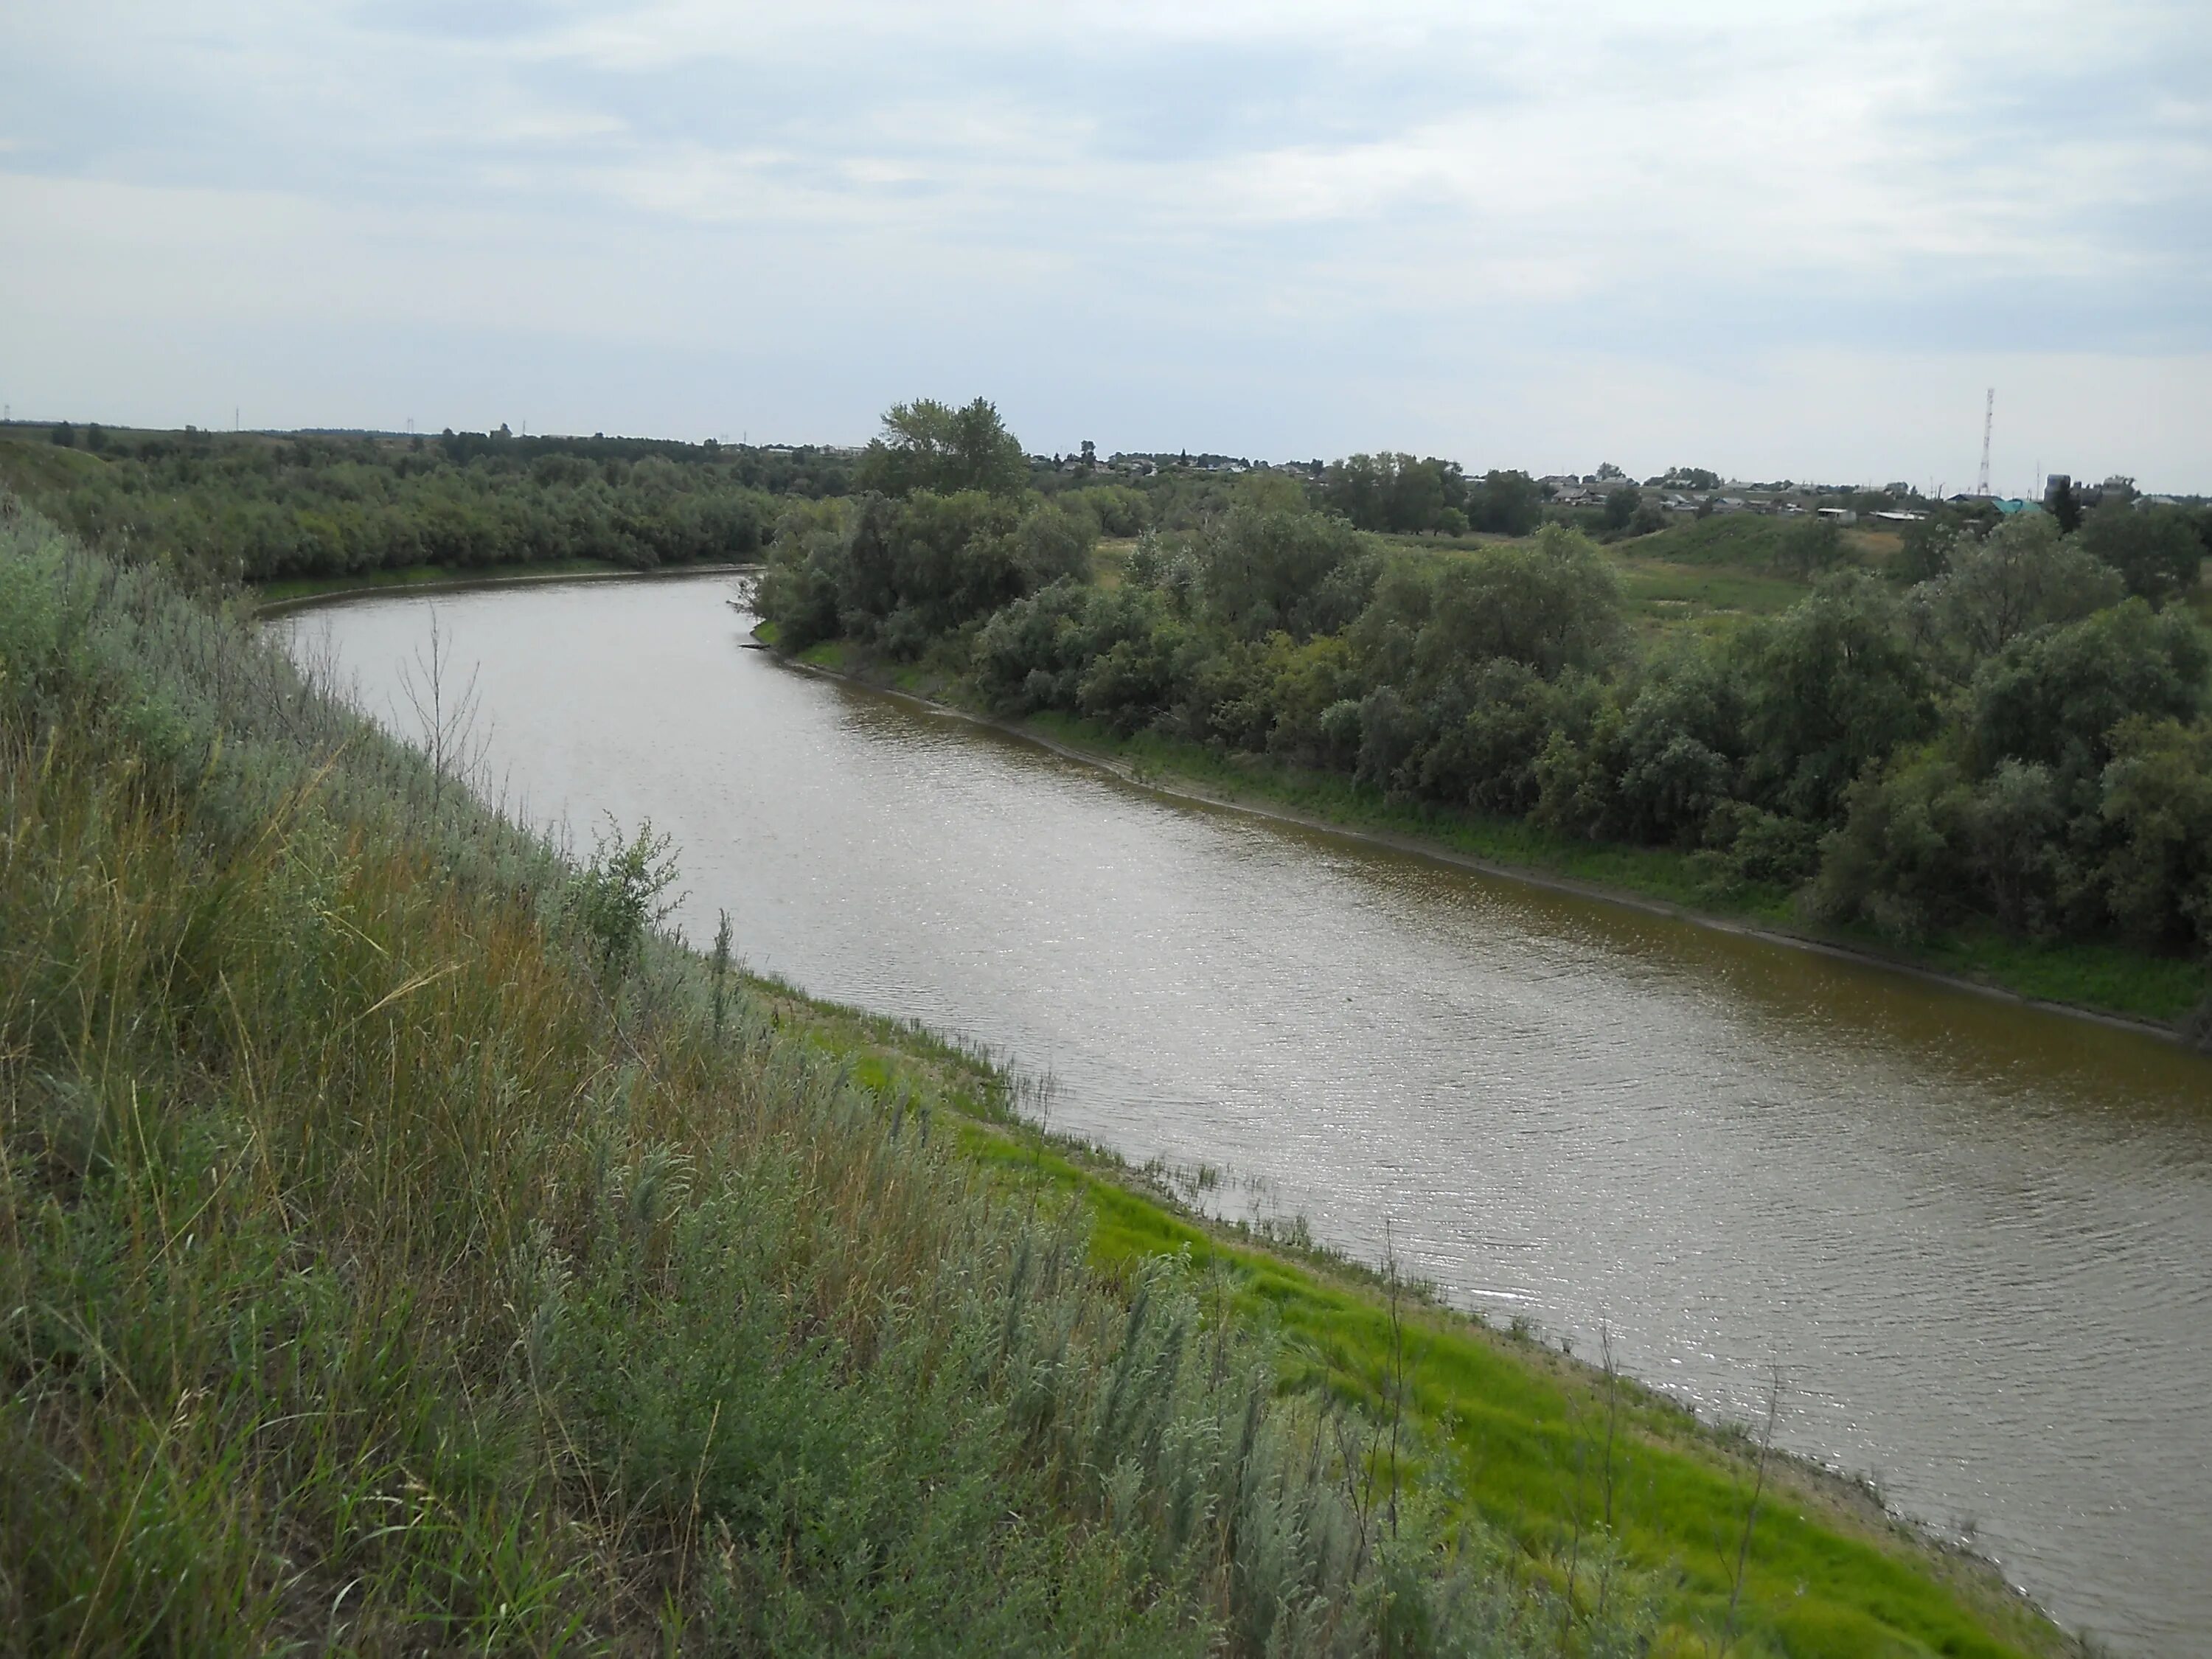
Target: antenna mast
1988,419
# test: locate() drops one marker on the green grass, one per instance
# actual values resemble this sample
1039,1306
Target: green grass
37,465
1747,541
1525,1438
1662,595
1701,575
2102,976
1520,1431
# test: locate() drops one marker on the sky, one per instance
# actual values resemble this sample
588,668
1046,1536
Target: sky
1797,241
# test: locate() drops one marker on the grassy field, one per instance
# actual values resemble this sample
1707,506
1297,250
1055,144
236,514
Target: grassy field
1703,574
1663,596
1746,540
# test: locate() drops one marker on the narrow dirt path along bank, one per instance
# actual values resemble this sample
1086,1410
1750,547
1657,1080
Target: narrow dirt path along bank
1943,1214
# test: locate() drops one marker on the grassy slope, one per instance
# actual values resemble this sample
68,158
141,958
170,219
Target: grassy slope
385,1267
1525,1430
39,466
1747,540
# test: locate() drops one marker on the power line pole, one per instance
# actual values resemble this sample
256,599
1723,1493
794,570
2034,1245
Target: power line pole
1988,419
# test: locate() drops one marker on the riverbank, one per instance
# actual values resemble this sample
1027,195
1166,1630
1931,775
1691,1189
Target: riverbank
1557,1450
2108,983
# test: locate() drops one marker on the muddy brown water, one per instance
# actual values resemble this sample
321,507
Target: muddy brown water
1976,1238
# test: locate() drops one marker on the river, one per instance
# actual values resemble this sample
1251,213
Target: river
1976,1238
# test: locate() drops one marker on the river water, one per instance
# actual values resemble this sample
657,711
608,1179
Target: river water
1976,1239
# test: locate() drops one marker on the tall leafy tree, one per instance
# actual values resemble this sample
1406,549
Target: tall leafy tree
2156,550
928,444
1834,684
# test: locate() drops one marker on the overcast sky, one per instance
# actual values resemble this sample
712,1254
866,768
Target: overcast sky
1518,236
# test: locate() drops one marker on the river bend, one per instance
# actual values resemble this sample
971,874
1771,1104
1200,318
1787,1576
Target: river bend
1977,1238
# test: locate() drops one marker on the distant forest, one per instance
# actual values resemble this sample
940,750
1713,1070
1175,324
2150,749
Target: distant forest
264,508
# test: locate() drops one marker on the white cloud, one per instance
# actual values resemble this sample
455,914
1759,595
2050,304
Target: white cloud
1311,205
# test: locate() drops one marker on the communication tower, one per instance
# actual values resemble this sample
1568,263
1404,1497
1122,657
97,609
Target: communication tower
1988,419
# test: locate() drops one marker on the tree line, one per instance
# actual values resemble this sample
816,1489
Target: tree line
2018,736
256,509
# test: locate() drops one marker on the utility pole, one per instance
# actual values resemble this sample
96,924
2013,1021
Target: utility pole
1989,421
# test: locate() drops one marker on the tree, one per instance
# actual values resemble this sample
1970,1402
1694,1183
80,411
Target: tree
1554,604
1679,747
1621,507
2055,695
1809,548
65,435
2158,800
1298,572
1053,543
927,445
1832,684
2156,550
2022,576
1505,503
1927,550
1393,492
